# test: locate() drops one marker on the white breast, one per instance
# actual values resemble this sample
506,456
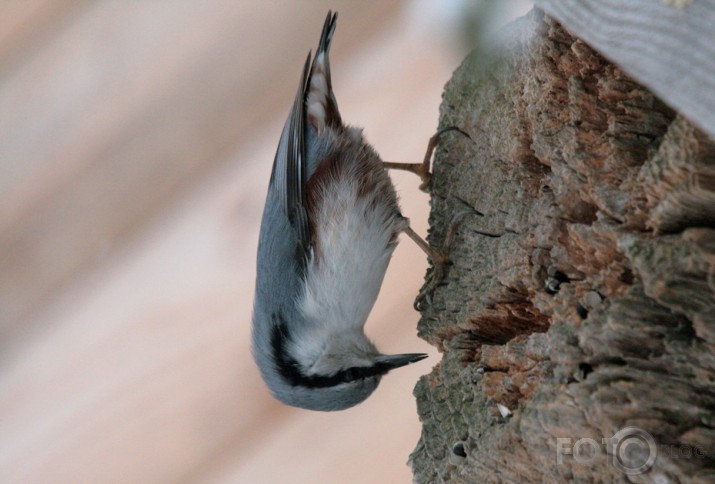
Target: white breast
354,236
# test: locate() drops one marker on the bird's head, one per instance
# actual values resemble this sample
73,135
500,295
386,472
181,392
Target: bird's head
329,373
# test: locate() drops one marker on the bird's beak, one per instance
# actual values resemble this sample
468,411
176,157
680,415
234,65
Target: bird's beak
396,361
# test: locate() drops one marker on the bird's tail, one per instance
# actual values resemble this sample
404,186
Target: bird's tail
321,106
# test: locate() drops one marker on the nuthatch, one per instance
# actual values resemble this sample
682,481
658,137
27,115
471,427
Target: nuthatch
330,224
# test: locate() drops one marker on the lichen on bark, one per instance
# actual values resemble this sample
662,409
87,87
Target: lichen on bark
581,291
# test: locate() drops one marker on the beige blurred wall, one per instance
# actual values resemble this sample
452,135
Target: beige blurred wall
136,140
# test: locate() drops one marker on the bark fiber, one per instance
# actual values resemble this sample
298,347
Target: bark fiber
581,291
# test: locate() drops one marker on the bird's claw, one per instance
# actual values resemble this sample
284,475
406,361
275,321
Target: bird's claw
440,262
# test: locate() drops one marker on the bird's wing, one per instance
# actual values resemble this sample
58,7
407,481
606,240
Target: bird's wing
289,169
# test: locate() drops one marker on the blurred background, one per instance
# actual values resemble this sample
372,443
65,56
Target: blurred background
136,142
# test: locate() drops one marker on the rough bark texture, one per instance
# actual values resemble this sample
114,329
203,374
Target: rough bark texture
583,299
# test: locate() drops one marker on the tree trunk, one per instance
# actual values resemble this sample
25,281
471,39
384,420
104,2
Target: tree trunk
581,291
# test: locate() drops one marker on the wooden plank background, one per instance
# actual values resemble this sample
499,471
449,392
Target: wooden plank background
135,147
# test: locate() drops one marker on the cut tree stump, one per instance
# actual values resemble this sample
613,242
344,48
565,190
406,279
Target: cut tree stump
580,299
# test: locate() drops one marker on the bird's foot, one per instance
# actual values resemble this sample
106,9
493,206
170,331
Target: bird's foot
440,259
422,170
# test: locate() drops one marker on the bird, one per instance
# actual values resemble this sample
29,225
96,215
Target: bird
330,224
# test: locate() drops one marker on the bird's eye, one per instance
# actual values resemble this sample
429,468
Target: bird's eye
350,374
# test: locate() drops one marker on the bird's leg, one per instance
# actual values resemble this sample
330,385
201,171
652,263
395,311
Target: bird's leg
435,255
423,169
439,257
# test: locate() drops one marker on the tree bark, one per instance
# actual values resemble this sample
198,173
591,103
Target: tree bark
581,290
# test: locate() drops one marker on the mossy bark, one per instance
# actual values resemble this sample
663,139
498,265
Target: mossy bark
581,294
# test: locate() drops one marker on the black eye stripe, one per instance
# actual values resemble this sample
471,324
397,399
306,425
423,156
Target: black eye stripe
289,369
359,372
